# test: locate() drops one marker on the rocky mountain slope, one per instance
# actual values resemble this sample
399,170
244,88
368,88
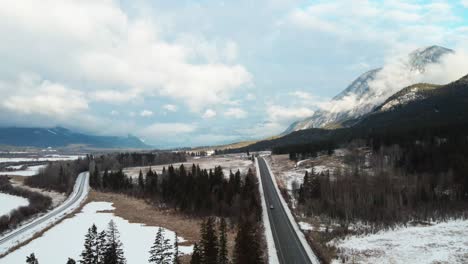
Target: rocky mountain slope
362,96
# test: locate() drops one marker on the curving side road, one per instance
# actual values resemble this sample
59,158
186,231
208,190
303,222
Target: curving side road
29,229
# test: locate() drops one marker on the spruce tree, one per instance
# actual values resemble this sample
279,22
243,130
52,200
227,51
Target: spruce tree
247,249
176,250
31,259
89,256
223,251
113,253
71,261
196,255
141,181
160,252
209,242
101,246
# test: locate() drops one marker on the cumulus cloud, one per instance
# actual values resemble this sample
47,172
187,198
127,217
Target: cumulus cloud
34,96
164,129
146,113
97,41
209,113
170,107
236,112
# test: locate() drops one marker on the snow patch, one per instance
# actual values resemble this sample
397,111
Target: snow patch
445,242
10,202
30,171
52,248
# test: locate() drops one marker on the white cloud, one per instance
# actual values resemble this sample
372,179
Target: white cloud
236,112
464,3
209,113
170,107
164,129
97,42
283,114
302,95
33,96
146,113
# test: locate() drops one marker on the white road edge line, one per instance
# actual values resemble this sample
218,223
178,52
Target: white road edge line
313,258
272,253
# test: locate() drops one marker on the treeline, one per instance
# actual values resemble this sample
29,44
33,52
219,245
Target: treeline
145,159
59,176
422,180
213,249
37,203
194,191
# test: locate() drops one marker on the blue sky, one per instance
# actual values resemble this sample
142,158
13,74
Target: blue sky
188,73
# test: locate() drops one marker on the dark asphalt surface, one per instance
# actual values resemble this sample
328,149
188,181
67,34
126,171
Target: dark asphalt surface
288,245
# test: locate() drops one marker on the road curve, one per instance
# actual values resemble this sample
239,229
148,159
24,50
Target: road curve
28,230
289,248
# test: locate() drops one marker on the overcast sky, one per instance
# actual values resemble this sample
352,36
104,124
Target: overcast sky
187,73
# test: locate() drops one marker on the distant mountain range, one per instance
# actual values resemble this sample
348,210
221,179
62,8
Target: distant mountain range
62,137
359,96
439,109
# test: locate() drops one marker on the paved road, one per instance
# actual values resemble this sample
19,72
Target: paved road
288,245
26,231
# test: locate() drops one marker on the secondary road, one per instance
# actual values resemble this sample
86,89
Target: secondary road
288,245
27,231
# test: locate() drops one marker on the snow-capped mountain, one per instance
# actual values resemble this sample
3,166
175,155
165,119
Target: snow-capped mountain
372,89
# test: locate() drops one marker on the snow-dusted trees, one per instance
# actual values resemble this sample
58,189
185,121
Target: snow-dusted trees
89,254
31,259
160,252
196,255
71,261
176,250
113,253
102,247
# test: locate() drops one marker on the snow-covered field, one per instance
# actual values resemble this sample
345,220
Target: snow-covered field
30,171
227,162
10,202
40,158
66,239
445,242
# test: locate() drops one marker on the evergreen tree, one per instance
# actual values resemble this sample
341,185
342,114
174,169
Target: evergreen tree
89,256
223,251
141,182
209,242
101,246
176,250
160,252
113,253
196,255
247,249
71,261
31,259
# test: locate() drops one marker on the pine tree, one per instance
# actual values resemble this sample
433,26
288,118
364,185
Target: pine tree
209,242
89,256
101,246
71,261
247,249
141,181
31,259
176,250
196,255
160,252
223,251
113,252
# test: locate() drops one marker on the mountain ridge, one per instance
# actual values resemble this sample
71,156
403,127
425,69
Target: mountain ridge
62,137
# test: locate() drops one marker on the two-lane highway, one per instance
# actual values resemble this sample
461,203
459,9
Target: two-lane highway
288,245
28,230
